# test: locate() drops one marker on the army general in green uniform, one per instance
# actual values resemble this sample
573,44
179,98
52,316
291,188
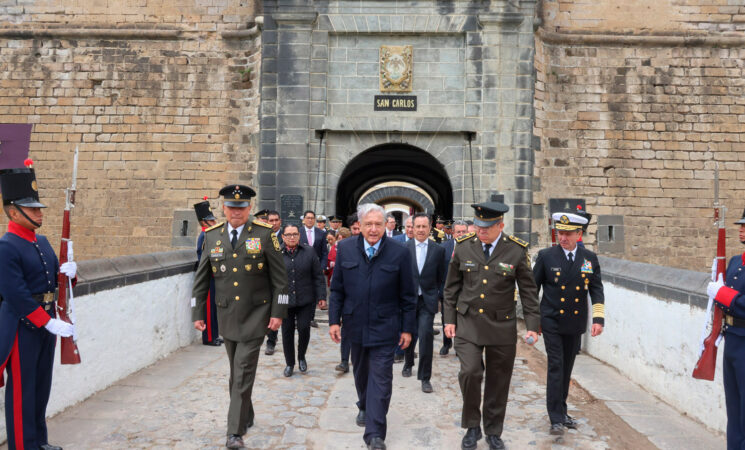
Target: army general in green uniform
479,311
250,293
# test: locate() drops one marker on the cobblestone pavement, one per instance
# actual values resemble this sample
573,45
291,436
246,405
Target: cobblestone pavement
181,402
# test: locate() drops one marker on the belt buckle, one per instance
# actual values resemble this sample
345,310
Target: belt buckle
48,298
729,320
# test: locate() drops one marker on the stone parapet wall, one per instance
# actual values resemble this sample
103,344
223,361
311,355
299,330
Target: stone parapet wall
637,131
162,116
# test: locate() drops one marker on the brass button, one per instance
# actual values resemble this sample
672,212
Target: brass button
264,301
482,295
558,274
506,317
456,308
481,311
235,255
561,311
235,269
562,299
583,275
576,312
237,298
576,300
235,283
504,273
468,270
563,287
484,280
486,267
577,287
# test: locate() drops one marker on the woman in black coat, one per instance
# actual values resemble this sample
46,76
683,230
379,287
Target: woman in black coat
306,288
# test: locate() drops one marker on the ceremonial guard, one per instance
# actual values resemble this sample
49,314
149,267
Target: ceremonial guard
211,335
28,322
567,272
729,295
245,260
480,316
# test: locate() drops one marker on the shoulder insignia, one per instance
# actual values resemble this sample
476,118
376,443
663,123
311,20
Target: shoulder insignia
261,223
440,233
217,225
465,237
432,239
518,241
275,242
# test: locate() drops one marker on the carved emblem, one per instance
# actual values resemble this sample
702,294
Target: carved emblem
396,67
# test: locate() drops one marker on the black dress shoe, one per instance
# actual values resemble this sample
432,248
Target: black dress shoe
360,418
444,350
427,387
234,441
435,332
269,350
406,372
398,358
314,324
215,342
376,443
50,447
302,365
570,423
471,439
288,371
556,429
342,367
495,442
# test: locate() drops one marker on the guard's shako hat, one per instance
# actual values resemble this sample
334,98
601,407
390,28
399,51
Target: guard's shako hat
488,213
18,187
568,221
582,213
742,220
237,195
203,210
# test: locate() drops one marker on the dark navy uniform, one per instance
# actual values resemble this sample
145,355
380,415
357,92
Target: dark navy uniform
211,335
564,315
731,298
29,270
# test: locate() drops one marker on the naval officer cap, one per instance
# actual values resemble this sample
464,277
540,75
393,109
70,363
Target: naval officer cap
488,213
18,187
567,221
742,220
237,195
203,210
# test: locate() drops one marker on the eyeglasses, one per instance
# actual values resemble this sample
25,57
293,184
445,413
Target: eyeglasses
292,234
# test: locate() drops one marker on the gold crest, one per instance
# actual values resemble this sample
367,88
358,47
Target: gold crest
564,220
237,195
260,266
33,185
248,267
396,68
214,269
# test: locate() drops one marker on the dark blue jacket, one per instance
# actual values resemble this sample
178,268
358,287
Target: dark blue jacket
732,298
375,299
432,279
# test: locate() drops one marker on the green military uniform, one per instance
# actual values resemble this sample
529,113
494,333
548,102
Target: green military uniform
250,287
480,300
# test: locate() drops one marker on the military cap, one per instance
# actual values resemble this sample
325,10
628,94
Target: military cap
449,223
336,219
440,219
742,220
203,210
488,213
321,218
237,195
261,213
18,187
567,221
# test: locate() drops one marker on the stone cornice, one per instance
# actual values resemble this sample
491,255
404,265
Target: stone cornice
658,40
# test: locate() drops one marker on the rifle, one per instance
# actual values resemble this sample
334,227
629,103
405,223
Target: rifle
707,361
69,353
553,230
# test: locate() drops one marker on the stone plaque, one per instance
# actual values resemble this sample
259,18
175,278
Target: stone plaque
396,67
291,209
395,103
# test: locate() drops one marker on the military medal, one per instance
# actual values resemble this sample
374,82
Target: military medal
214,269
253,245
260,266
586,267
223,268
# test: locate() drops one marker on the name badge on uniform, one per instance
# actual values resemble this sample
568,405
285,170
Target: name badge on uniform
469,264
253,245
506,267
216,252
586,267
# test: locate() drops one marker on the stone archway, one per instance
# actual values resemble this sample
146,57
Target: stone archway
402,194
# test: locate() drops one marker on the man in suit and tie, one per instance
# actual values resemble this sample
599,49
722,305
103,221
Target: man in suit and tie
390,226
567,272
428,265
408,234
373,293
460,228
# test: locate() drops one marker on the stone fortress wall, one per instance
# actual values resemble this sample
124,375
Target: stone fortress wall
635,103
156,94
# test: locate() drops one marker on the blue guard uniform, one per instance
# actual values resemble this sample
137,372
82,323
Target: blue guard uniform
211,334
731,298
29,270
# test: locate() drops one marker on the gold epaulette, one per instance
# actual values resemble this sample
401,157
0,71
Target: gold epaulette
465,237
261,223
518,241
432,239
217,225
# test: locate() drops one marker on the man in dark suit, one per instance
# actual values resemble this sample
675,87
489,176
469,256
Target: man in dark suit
408,234
460,228
428,265
567,273
373,293
390,226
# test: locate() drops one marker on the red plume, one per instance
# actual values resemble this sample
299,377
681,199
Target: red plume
28,163
206,198
579,207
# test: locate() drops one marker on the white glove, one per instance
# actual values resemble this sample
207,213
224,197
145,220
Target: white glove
60,328
714,269
75,333
69,268
714,287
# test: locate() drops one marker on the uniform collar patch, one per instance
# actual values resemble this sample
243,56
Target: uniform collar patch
23,233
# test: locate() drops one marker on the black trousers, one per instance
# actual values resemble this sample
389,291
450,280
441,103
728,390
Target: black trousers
373,379
271,338
346,344
561,350
299,318
426,342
